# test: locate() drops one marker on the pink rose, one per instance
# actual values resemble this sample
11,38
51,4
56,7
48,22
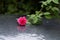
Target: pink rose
22,21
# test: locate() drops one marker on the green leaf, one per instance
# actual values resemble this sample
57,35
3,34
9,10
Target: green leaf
56,1
35,20
48,8
32,16
48,17
55,9
48,1
44,3
40,14
37,12
46,13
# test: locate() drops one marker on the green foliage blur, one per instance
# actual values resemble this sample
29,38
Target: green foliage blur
49,10
19,7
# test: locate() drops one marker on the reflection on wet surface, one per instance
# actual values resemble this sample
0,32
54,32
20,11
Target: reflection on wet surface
23,36
21,28
9,30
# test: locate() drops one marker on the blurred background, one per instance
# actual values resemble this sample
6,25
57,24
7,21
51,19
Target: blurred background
22,7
